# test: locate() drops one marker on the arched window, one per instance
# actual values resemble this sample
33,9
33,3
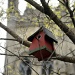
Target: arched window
24,68
46,67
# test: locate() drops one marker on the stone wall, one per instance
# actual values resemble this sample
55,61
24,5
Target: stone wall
24,28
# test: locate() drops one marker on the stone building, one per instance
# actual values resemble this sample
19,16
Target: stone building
24,25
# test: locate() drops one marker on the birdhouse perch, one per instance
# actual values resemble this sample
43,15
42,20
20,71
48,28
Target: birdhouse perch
42,44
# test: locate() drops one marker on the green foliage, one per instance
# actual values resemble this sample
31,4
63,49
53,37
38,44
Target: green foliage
63,14
58,13
12,9
12,71
70,25
1,12
29,5
52,27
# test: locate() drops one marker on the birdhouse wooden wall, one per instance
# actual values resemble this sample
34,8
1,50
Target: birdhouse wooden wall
38,41
42,44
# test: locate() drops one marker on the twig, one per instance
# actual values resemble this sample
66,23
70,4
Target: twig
8,39
61,2
15,55
20,59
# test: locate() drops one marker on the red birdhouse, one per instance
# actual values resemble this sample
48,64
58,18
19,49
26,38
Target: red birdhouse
42,44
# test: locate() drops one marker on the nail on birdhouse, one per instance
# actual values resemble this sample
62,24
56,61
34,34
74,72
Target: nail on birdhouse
42,45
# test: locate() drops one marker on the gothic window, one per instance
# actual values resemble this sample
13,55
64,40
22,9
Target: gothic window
46,67
24,68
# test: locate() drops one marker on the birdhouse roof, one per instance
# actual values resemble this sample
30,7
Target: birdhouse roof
47,33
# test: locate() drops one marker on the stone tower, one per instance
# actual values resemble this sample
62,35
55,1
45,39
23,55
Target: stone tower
24,26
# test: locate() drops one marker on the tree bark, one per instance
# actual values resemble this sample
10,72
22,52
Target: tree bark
46,10
62,26
64,58
26,43
17,38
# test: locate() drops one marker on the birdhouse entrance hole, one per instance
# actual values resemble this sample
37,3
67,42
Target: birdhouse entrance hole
38,37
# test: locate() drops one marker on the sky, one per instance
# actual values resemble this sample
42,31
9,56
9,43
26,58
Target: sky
22,6
22,3
3,3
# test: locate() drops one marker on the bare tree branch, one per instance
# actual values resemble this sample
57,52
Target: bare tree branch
73,9
36,5
51,14
25,43
45,9
17,38
61,2
65,58
8,39
15,55
20,59
66,2
58,57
